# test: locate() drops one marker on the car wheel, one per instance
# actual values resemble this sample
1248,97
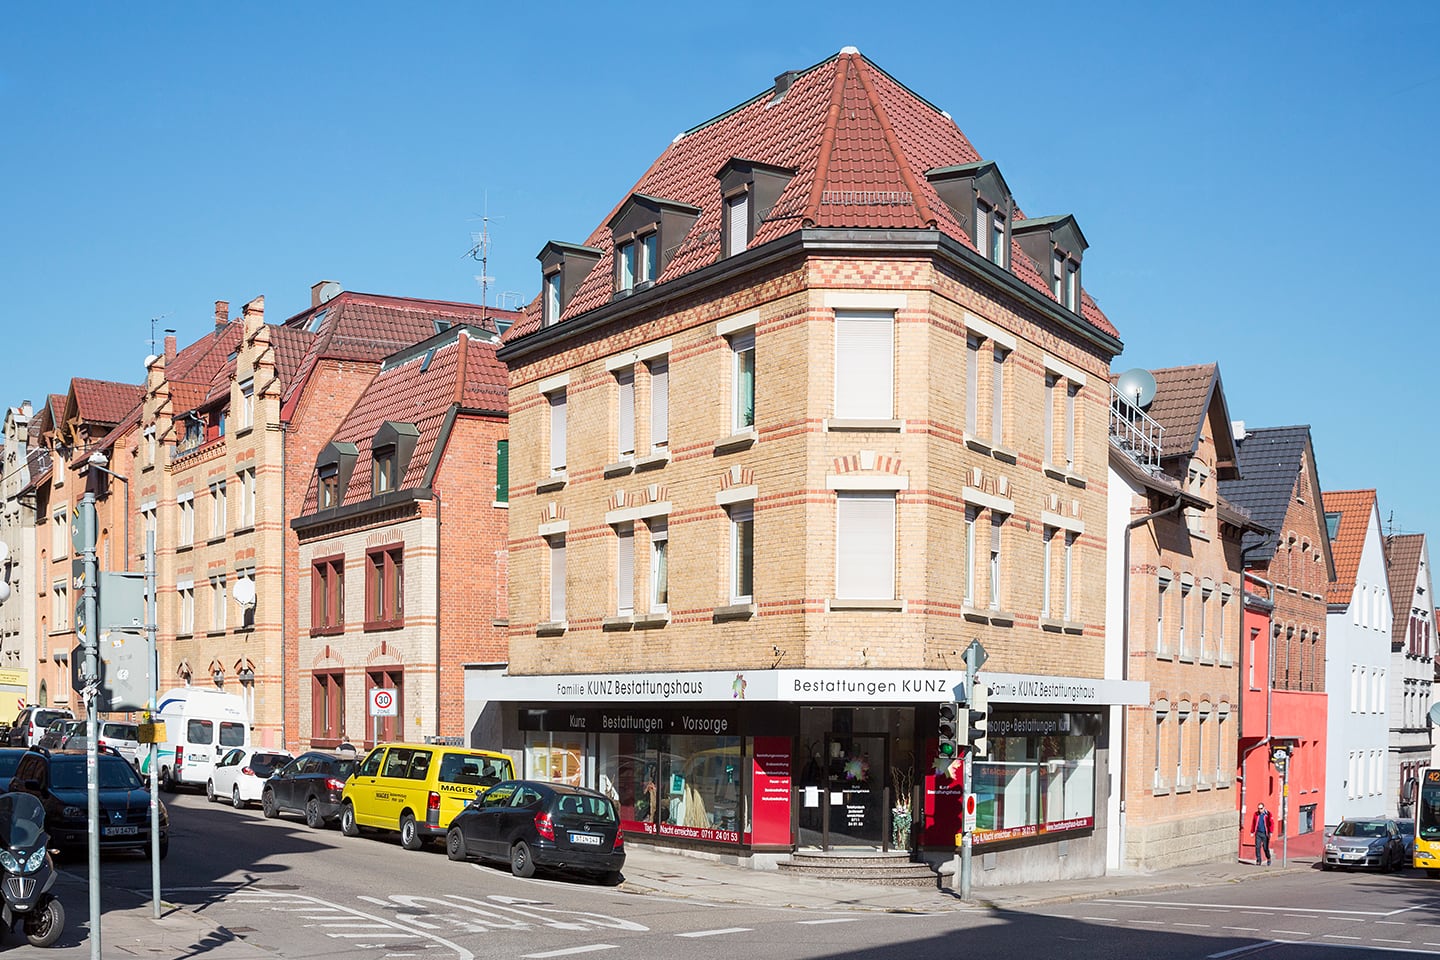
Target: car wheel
521,863
235,800
348,826
44,926
610,878
1325,867
410,837
210,790
455,845
268,805
164,847
167,781
312,814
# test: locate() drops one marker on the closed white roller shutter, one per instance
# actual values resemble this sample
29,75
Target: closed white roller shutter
557,578
865,546
864,365
557,432
625,571
626,425
659,403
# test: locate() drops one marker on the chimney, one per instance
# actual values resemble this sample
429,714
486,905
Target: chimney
222,314
322,291
782,84
169,348
253,314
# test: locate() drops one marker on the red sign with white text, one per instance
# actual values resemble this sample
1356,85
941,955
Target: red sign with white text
770,823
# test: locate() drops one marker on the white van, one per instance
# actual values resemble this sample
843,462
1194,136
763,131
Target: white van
201,726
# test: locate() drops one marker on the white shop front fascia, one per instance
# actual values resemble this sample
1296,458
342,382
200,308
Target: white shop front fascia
859,687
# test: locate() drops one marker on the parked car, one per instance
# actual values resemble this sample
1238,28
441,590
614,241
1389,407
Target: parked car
9,760
58,734
1372,842
531,823
123,738
417,789
1407,834
310,784
29,724
58,781
240,774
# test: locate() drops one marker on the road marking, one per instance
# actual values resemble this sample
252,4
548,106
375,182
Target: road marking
1338,936
1393,923
357,923
376,933
1256,907
1161,922
1202,926
1243,929
1247,948
1384,940
715,933
831,920
1100,919
591,948
1295,933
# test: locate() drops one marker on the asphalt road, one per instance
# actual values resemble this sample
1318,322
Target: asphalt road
302,893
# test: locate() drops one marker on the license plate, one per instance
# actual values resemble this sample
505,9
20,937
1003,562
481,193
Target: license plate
585,839
1353,856
127,831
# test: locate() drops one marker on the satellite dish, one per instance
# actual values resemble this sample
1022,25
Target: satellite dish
4,551
1138,386
4,590
1435,714
244,592
329,290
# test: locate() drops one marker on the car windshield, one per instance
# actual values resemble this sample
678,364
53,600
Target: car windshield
43,718
265,763
343,769
69,774
120,731
1361,828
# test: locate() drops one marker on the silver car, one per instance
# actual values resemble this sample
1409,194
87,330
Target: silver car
1365,843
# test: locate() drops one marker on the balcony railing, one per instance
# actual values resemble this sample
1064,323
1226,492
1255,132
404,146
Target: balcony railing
1134,431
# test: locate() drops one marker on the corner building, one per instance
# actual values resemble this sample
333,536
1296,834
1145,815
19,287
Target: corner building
786,439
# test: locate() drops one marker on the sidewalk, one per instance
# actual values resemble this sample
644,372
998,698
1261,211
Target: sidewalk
675,875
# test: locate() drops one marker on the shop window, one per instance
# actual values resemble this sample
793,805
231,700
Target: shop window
674,786
1038,782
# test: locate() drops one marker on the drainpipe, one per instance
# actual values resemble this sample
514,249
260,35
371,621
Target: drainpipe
1269,687
438,598
284,582
1125,656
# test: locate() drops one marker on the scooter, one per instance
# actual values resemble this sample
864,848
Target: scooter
28,873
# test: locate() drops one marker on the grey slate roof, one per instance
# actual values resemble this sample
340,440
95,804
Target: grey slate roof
1269,460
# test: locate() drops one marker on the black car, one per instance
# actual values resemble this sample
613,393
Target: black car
58,781
531,823
309,784
9,760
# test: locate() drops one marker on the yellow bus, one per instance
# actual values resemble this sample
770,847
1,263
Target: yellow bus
1427,822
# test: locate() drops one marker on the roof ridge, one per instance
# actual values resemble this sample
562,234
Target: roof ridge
827,142
901,159
741,106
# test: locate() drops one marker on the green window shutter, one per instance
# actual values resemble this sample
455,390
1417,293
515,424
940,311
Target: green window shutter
502,471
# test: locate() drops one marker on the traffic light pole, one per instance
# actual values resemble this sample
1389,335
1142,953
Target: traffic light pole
965,838
152,615
83,534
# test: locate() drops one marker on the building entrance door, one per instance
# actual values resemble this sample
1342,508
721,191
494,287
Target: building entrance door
841,788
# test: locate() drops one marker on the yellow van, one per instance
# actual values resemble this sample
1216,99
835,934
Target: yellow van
417,789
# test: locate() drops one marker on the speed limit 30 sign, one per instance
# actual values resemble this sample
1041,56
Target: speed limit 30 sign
383,703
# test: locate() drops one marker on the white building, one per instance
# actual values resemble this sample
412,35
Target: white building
1412,667
18,569
1357,660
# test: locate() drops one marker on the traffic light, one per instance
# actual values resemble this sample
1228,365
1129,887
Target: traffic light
949,730
977,719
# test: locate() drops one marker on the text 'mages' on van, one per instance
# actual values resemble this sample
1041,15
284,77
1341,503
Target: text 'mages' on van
418,789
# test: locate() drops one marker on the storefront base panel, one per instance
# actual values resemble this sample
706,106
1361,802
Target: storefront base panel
1075,858
1208,838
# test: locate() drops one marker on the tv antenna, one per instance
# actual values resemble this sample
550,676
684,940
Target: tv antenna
153,321
480,250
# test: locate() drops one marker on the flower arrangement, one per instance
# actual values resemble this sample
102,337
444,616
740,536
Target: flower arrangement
901,817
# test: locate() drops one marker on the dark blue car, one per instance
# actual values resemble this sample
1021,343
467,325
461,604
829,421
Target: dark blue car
57,780
532,823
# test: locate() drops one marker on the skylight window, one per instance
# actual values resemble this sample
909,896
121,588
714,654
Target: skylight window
317,320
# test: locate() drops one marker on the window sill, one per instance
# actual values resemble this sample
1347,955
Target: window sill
1061,473
500,504
652,621
1004,453
500,622
976,444
184,636
1199,535
1203,785
1207,661
1073,628
185,547
327,631
552,628
620,468
1226,662
974,615
375,625
622,622
734,611
1161,790
740,440
653,461
855,604
248,628
1002,618
247,528
1223,784
1052,626
556,482
1186,658
853,424
243,431
1163,655
1183,788
216,633
214,539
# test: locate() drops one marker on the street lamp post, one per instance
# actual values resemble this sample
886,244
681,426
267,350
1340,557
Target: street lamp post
98,460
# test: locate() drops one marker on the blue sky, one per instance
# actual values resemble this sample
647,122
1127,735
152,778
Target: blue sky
1257,181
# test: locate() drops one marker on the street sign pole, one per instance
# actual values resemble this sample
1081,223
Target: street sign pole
975,656
82,537
152,615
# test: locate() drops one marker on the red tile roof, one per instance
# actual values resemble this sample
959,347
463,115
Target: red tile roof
104,401
1356,509
456,369
1402,563
860,144
198,362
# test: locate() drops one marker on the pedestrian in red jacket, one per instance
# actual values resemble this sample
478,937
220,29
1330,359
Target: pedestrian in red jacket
1262,826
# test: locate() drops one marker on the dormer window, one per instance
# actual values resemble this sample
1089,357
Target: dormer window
750,191
1055,245
990,233
1065,280
635,260
980,201
563,267
329,486
383,472
642,229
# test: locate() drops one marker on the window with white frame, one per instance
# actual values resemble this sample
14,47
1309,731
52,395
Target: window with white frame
1354,687
186,506
659,566
742,553
1052,384
659,402
247,403
1222,713
218,523
864,364
60,605
1161,600
1065,280
550,308
149,524
1182,718
1205,593
997,527
997,396
742,405
60,534
1196,478
972,518
1250,661
557,432
737,224
973,346
1162,710
557,577
1364,689
1203,715
186,592
1221,640
1183,647
1047,573
1072,392
1068,581
990,233
217,603
625,569
152,450
247,497
625,418
865,545
247,611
